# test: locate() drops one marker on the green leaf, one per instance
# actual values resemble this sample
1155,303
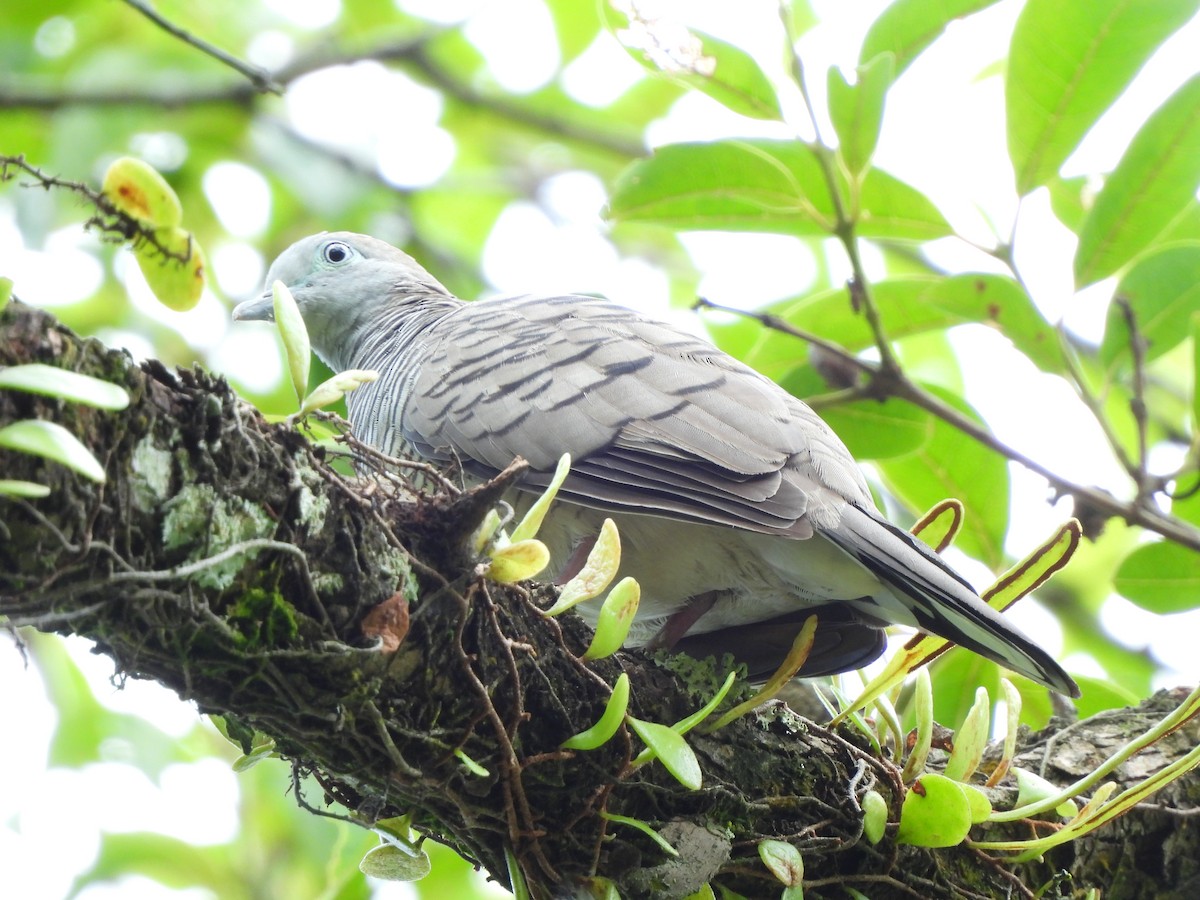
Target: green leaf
857,110
735,80
473,767
906,27
54,442
137,189
950,464
784,861
875,813
971,739
701,61
877,430
615,618
333,389
6,289
1032,788
532,521
1000,303
295,337
670,747
518,561
686,724
1161,577
762,185
643,828
1069,60
981,806
935,813
603,561
1153,184
36,378
606,726
1195,330
32,489
940,525
923,713
389,863
1163,292
177,280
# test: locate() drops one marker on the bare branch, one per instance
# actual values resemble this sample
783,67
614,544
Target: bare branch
259,77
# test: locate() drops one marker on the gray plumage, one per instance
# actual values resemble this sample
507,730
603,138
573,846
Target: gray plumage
734,500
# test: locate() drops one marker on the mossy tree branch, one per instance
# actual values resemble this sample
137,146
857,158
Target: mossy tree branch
226,559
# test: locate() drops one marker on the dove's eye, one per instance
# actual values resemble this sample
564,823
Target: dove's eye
336,252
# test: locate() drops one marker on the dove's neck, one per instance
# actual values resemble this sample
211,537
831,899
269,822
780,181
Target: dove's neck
378,341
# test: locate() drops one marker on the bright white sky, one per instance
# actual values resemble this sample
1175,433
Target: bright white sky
943,133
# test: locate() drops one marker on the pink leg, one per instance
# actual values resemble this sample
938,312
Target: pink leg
677,626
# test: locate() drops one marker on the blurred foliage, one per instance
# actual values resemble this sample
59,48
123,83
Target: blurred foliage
83,83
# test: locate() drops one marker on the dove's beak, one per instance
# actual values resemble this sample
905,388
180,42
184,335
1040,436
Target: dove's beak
259,309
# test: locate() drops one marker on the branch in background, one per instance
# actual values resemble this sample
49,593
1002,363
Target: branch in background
1091,500
260,78
241,93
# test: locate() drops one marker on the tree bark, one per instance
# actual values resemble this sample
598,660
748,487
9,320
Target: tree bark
227,558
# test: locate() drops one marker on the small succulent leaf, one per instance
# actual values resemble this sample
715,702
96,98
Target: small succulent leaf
137,189
683,726
615,618
971,738
389,863
670,747
783,860
333,389
600,888
295,337
643,828
938,527
1036,568
518,561
177,280
923,710
473,767
981,806
257,754
528,528
51,381
875,814
608,723
1012,703
30,489
802,646
50,440
1033,788
935,813
485,532
603,561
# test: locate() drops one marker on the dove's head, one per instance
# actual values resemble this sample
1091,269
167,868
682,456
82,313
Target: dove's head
341,282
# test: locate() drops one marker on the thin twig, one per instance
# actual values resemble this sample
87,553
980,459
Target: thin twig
858,285
259,77
1137,403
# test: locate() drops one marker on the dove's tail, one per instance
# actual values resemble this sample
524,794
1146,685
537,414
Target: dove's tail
939,600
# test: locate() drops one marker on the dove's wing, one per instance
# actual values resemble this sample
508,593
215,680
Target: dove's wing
656,420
